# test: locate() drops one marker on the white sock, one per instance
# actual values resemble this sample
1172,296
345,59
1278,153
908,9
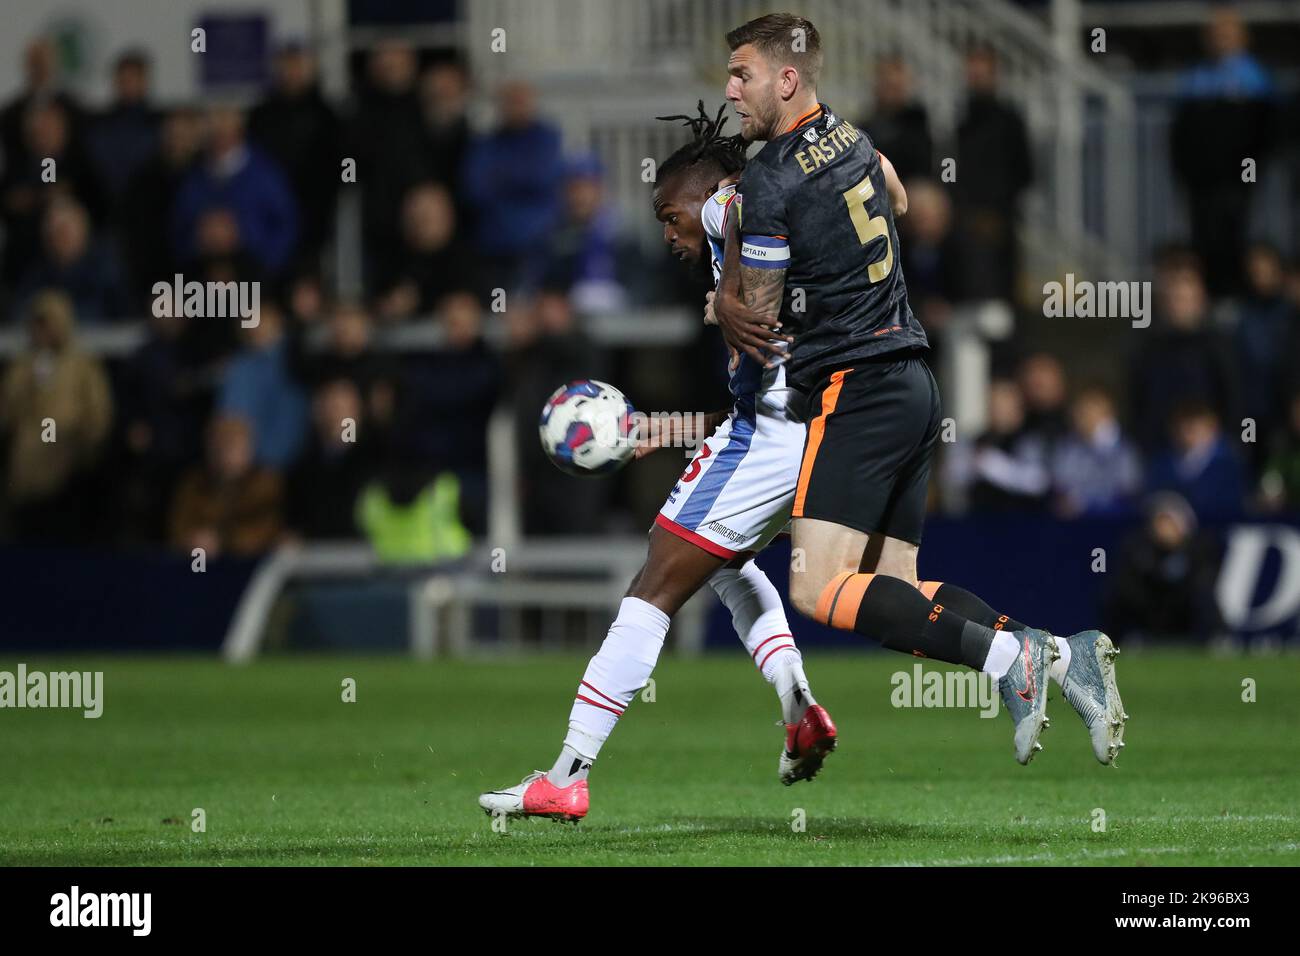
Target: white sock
1057,673
792,687
1002,654
570,767
759,618
620,668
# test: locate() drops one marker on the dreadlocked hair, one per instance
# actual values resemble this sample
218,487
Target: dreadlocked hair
708,145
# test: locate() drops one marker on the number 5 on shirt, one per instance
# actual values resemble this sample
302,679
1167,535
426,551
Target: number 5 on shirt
870,227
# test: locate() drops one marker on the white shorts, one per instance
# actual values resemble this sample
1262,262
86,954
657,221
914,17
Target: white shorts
736,494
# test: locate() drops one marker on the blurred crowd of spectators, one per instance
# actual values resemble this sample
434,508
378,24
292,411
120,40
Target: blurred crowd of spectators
1208,402
227,438
1211,411
142,192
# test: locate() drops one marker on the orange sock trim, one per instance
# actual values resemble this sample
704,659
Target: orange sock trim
840,599
928,588
827,598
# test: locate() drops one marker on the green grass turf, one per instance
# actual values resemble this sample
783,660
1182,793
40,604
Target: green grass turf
289,774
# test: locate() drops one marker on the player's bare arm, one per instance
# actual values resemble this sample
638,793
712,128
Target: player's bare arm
894,187
673,432
762,291
742,326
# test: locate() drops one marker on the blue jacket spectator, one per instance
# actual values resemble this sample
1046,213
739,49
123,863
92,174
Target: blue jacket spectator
1200,465
244,181
1224,114
1231,72
586,253
1095,469
258,386
512,181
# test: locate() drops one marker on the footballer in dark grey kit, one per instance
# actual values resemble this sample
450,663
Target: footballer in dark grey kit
815,282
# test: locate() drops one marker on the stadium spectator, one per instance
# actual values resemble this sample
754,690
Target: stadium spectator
239,181
431,261
900,125
1163,585
41,84
1200,464
347,354
447,398
1225,115
336,465
220,259
1180,357
306,298
995,167
444,104
123,137
145,212
221,255
387,139
230,504
585,252
55,413
1005,468
410,517
164,396
1095,469
86,271
258,387
303,134
1279,488
928,259
26,189
1264,329
511,180
1042,383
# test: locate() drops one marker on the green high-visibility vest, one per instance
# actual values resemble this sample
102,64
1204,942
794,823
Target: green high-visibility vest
427,529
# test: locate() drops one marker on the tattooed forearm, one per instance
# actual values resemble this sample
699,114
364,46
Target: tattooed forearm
762,290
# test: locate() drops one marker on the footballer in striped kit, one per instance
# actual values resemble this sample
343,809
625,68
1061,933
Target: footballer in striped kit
733,498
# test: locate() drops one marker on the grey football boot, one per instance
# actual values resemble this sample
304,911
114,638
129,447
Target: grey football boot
1090,687
1024,689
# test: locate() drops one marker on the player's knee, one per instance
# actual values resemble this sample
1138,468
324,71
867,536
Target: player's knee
646,588
805,589
656,585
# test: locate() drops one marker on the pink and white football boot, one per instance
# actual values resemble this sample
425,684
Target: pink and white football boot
536,796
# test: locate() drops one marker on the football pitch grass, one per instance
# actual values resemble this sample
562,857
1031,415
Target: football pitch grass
286,772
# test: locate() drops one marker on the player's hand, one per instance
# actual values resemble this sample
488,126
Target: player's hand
660,431
710,318
746,330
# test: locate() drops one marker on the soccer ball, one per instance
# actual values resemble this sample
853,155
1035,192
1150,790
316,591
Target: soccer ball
588,428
